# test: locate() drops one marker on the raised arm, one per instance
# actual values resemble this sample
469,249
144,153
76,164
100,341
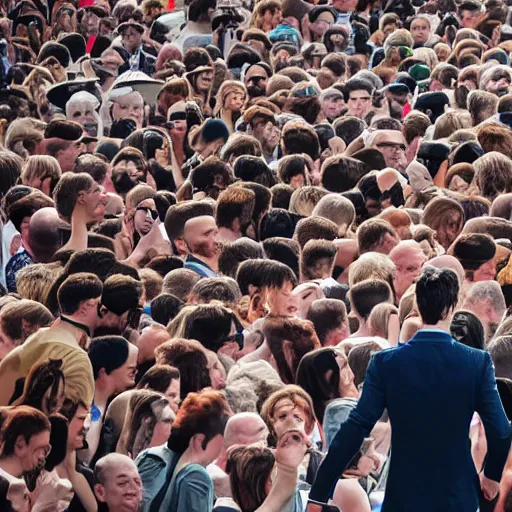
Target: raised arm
351,434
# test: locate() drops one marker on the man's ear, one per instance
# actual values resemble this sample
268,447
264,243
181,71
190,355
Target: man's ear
197,442
28,328
20,443
181,246
81,198
99,491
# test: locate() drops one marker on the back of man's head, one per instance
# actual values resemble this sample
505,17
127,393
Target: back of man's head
364,296
437,294
500,350
108,353
77,289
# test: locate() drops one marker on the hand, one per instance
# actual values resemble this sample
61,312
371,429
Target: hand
337,145
490,488
412,149
291,449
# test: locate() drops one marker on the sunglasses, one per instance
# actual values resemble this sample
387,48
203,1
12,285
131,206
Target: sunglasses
392,145
146,209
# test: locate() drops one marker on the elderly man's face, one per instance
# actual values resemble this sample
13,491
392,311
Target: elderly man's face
129,106
408,264
84,114
122,489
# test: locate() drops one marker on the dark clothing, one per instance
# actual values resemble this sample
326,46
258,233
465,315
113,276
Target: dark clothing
431,387
20,260
76,504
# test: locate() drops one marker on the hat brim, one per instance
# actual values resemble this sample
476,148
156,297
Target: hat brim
199,69
60,94
148,90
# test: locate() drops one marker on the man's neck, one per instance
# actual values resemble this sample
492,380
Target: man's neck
362,331
78,323
213,262
222,460
443,325
190,456
102,393
12,466
229,234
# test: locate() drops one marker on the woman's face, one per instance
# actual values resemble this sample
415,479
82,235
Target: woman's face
450,230
457,184
286,416
173,394
144,219
235,101
346,375
217,371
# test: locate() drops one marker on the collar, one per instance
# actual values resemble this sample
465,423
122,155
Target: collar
76,324
432,335
193,259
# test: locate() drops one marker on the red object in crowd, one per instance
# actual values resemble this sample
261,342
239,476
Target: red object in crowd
85,3
90,43
406,110
171,5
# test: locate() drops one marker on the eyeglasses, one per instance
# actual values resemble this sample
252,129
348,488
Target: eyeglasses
146,209
392,145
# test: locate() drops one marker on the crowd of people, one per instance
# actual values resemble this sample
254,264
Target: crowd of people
256,256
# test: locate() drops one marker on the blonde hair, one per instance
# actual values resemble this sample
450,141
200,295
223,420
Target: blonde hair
379,319
371,265
337,209
34,281
228,87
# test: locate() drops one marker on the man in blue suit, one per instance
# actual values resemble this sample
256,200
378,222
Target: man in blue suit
430,387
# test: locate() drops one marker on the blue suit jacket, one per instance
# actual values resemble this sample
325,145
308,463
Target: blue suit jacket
431,387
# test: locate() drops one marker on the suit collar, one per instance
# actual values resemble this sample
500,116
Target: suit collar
431,335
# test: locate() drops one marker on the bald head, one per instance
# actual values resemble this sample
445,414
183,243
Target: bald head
408,258
449,262
245,428
200,234
44,236
112,464
405,249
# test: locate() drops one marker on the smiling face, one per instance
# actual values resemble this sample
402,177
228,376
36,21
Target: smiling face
78,427
32,455
122,488
124,376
